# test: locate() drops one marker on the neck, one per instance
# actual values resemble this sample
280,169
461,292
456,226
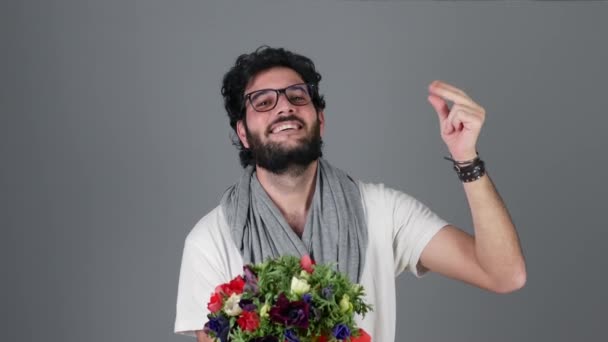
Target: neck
291,191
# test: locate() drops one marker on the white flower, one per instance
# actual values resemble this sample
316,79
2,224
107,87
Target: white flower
299,286
345,304
231,307
264,310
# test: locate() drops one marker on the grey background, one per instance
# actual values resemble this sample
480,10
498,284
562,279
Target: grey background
114,142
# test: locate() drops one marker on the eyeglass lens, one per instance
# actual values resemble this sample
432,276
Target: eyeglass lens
265,100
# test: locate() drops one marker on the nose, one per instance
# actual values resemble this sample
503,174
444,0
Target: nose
283,104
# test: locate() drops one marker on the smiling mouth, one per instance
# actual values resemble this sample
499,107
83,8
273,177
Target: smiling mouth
286,127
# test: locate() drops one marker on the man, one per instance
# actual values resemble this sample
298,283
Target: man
290,200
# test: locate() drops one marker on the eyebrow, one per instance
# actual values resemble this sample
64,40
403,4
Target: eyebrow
256,93
253,91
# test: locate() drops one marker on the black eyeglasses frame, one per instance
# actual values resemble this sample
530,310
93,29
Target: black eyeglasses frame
310,89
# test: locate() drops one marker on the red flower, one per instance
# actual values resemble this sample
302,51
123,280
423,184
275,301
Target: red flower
223,289
215,303
236,285
248,321
307,263
363,337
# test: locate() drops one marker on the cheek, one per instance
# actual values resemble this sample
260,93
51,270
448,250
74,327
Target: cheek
256,126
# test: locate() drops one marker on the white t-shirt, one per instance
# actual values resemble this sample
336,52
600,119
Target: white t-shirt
399,228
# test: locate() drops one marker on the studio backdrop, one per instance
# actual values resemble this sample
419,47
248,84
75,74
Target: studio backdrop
114,142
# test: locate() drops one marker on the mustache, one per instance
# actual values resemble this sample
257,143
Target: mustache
286,118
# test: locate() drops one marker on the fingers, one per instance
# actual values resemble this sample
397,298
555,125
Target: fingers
462,117
454,119
464,114
441,107
451,93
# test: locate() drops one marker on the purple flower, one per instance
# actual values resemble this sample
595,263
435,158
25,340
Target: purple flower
291,336
251,280
341,331
293,314
247,305
220,326
307,297
327,292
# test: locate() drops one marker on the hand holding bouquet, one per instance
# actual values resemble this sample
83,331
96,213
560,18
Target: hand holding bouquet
287,299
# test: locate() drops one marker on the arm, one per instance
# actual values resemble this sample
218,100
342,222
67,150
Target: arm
492,259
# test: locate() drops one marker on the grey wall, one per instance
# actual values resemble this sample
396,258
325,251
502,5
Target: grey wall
113,143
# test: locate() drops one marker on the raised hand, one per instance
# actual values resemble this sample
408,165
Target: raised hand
460,125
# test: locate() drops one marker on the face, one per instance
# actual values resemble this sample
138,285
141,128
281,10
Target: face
286,136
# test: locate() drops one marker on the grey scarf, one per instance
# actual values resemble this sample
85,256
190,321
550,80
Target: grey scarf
335,230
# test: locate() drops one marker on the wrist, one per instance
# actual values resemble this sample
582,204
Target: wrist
468,170
464,156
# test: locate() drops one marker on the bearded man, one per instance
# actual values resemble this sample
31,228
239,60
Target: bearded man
290,200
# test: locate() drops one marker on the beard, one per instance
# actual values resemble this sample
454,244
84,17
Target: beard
283,159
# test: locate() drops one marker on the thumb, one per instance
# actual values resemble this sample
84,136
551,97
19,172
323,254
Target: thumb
441,107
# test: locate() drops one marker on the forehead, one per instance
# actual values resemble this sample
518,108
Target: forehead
274,78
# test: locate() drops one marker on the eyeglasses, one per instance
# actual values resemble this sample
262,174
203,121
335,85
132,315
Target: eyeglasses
264,100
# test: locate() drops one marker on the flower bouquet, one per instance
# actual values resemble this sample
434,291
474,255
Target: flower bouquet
287,299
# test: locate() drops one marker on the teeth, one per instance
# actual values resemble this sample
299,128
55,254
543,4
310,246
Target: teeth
284,127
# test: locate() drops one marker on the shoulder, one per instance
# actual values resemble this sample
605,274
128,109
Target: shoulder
209,230
395,207
210,245
382,195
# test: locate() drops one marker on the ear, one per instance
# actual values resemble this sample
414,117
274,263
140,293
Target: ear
321,118
242,133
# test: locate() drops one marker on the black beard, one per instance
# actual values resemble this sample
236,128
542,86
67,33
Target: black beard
279,160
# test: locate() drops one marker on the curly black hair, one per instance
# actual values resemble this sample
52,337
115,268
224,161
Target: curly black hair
246,67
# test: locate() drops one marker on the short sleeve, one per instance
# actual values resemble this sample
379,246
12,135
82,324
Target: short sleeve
206,263
414,225
197,279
